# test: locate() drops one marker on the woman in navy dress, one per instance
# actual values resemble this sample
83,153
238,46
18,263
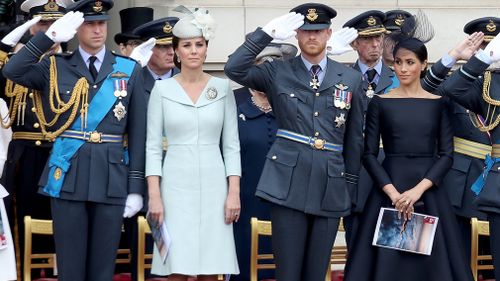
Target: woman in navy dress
257,127
418,142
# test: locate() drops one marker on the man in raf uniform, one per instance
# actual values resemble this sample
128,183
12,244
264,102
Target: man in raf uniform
29,149
310,173
130,19
161,64
92,178
477,89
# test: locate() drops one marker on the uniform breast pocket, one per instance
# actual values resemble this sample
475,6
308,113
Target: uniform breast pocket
336,196
118,173
277,173
290,101
454,182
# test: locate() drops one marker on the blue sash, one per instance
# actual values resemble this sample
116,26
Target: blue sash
394,85
65,148
478,185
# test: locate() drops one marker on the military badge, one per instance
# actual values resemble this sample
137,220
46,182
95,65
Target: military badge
211,93
340,120
342,99
491,27
119,74
370,92
120,88
314,83
57,174
399,20
97,6
167,28
311,14
243,117
51,6
371,21
341,86
119,111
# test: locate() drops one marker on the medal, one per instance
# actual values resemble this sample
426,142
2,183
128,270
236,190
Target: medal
211,93
123,87
336,101
340,120
370,92
342,99
314,83
119,111
348,102
116,83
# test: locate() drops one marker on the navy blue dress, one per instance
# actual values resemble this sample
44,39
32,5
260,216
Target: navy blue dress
257,133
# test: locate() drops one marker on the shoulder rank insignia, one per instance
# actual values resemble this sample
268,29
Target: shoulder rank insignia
119,74
340,120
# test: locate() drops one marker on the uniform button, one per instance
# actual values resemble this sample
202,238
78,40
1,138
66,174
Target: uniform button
316,134
292,95
316,114
33,109
38,143
67,92
467,111
341,173
274,157
498,168
36,125
317,94
95,86
31,95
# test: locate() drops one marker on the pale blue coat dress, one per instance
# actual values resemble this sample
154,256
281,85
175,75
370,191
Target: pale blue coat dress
203,150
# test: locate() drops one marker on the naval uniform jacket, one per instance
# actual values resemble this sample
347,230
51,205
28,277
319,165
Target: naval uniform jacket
297,175
99,172
465,87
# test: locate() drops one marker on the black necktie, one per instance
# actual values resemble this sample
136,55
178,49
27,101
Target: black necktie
370,74
92,68
159,78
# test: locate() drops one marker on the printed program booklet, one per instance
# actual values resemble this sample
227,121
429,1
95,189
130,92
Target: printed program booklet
160,236
3,235
415,235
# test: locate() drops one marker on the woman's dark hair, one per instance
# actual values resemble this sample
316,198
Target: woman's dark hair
175,44
415,46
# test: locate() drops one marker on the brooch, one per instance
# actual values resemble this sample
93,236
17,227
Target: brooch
211,93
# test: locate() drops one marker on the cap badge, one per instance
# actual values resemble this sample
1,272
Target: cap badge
51,6
491,27
167,28
399,20
311,14
97,6
371,21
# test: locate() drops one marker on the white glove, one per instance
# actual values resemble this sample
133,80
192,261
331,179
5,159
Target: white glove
493,49
133,205
64,29
284,27
15,35
143,52
340,41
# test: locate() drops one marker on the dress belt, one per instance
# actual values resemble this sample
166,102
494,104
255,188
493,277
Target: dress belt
93,137
473,149
29,136
314,142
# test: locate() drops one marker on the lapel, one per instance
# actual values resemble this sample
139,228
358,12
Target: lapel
364,83
301,72
106,67
385,79
78,66
148,80
333,75
175,71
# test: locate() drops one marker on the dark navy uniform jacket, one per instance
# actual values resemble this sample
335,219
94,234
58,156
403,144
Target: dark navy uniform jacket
98,172
149,80
296,175
465,87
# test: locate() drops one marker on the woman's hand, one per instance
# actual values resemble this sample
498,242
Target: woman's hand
155,209
392,192
232,207
405,204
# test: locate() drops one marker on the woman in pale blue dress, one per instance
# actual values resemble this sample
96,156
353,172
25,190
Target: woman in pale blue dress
194,190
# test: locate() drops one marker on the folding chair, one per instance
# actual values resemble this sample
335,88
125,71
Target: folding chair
479,228
31,261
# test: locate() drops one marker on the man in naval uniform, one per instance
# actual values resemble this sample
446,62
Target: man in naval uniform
29,149
92,177
311,170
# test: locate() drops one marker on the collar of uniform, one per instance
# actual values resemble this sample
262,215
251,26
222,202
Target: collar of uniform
156,76
363,67
251,111
99,55
308,65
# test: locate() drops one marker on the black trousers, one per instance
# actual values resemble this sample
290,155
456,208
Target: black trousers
302,244
87,236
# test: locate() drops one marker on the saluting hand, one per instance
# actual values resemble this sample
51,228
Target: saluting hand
143,52
340,41
64,29
468,47
284,27
15,35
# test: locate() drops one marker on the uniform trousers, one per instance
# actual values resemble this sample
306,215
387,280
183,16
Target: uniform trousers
87,236
302,244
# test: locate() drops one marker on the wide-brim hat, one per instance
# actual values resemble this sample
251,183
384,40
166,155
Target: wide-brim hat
369,23
93,10
48,10
131,18
489,26
160,29
317,16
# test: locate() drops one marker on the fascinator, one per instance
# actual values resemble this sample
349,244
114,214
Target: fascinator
194,24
